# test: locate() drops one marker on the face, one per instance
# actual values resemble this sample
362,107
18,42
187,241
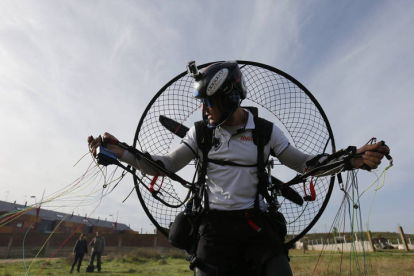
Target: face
212,111
97,234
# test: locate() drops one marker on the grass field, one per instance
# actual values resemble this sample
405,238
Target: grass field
391,263
151,263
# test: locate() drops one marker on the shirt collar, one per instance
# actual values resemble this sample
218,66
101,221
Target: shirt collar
250,120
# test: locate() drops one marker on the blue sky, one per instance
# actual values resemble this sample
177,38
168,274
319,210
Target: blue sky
70,69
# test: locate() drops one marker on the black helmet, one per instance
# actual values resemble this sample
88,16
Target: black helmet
223,81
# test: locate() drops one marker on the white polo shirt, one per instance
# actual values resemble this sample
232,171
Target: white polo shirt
235,187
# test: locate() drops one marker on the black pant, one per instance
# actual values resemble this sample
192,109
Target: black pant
78,258
232,246
98,259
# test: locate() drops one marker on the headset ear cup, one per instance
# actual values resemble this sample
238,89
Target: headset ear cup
231,100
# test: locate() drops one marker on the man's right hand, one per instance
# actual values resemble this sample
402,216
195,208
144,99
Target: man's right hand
94,143
372,155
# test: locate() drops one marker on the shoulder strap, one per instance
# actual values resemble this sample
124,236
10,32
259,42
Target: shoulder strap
204,134
261,136
204,142
253,110
204,137
263,130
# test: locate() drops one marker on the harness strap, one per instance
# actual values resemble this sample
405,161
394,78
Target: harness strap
261,136
228,163
194,207
261,173
205,142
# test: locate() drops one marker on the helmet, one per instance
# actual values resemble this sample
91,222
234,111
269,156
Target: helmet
222,81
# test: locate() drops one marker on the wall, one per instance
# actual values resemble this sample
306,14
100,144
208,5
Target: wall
343,247
347,247
17,245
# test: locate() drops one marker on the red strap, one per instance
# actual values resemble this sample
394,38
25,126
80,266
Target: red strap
312,190
151,186
154,180
252,224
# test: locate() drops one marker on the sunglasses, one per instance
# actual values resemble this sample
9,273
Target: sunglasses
207,102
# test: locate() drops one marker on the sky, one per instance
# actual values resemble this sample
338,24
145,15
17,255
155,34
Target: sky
70,69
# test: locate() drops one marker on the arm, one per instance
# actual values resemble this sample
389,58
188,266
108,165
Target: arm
298,161
173,161
294,159
287,154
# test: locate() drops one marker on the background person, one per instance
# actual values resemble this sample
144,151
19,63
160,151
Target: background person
98,247
80,249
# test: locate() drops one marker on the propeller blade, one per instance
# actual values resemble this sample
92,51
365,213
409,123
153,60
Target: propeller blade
173,126
288,192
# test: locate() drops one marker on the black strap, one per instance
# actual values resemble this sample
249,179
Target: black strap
228,163
261,173
194,207
204,142
261,136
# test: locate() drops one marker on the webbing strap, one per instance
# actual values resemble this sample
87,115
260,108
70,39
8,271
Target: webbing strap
261,173
228,163
261,136
205,141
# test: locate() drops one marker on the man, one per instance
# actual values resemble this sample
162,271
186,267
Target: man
235,228
98,247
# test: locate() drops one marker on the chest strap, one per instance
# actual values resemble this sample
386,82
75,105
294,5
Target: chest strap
228,163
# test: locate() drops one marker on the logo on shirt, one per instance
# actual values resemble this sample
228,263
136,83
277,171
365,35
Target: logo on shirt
246,138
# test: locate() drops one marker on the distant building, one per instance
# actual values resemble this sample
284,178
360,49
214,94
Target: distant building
16,218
